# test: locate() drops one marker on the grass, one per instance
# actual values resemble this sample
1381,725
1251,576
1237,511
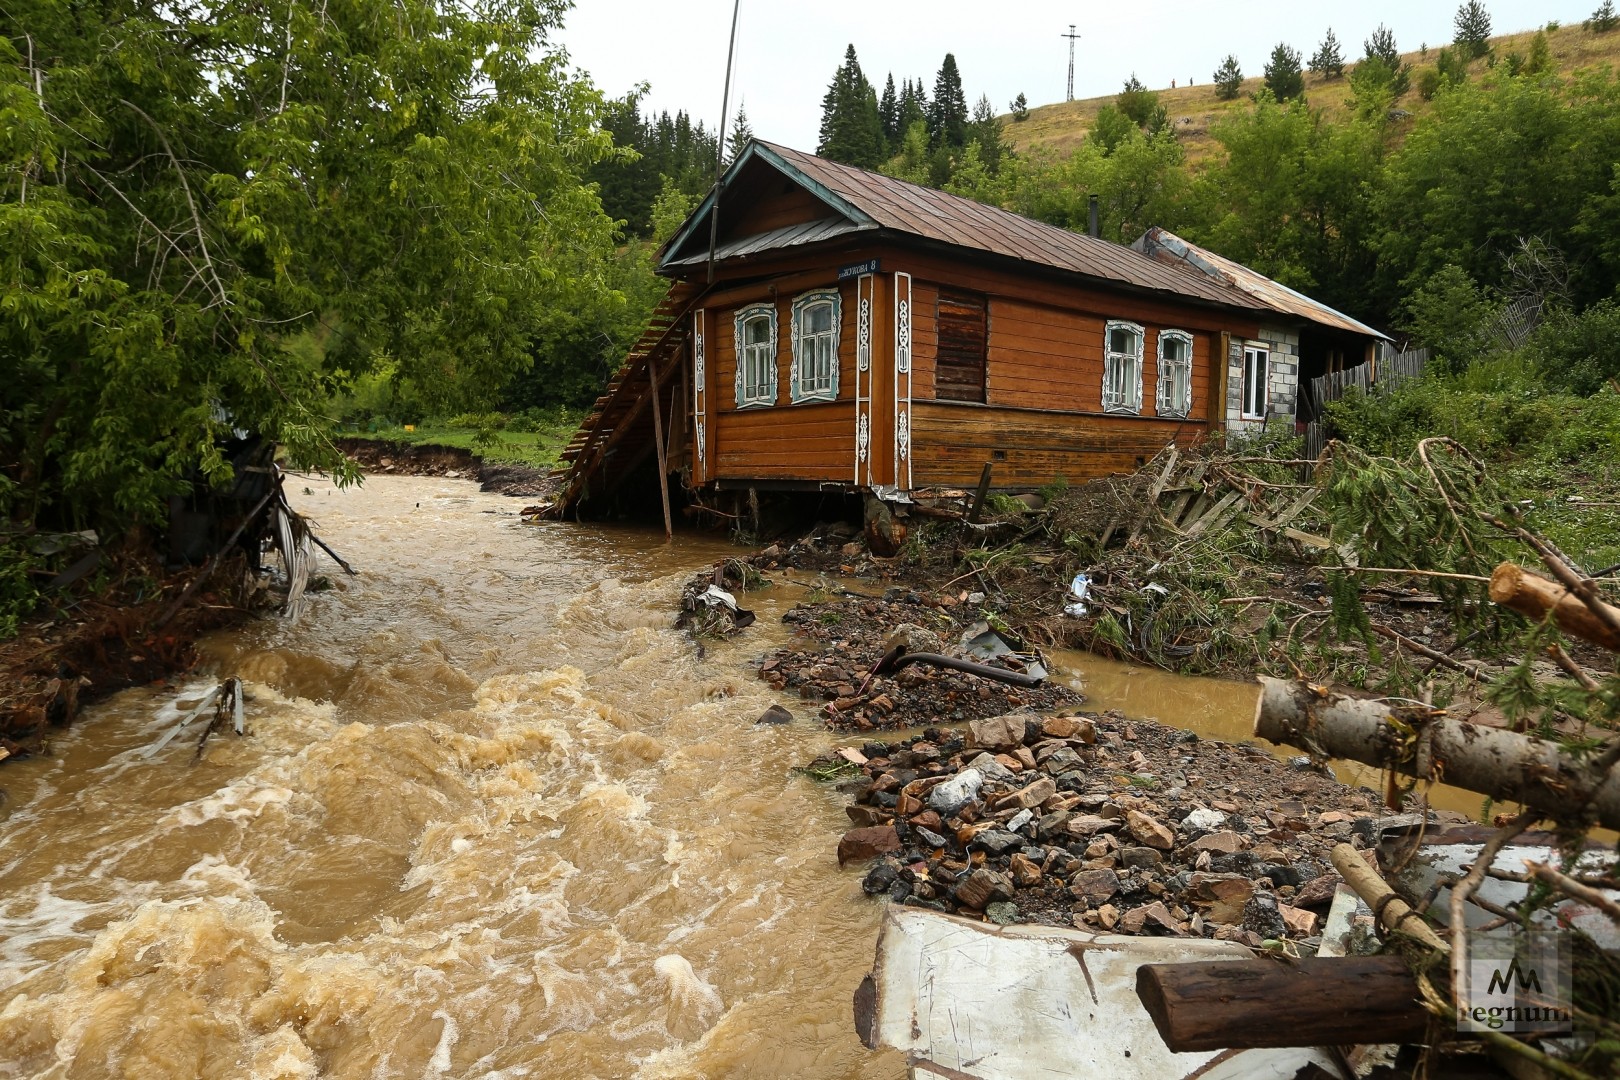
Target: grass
539,449
1194,110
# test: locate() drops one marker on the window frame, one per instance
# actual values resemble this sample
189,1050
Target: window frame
768,391
1263,351
1162,406
802,305
1132,404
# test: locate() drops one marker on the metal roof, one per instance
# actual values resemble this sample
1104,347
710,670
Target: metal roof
1172,250
808,232
872,201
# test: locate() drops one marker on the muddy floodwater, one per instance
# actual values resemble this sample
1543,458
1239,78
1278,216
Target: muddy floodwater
494,818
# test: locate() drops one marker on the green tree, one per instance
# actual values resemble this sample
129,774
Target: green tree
1020,108
1228,79
1381,46
889,113
1451,68
1110,128
984,135
948,113
1603,19
914,162
1283,76
742,133
194,195
1451,314
851,129
1540,61
1141,105
1328,62
913,107
1473,30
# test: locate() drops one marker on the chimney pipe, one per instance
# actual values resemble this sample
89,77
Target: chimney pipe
1095,228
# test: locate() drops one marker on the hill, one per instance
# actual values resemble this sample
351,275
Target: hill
1195,109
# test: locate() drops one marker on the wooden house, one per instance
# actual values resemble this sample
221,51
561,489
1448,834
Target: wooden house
853,332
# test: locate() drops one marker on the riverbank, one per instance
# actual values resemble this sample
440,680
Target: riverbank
84,648
503,477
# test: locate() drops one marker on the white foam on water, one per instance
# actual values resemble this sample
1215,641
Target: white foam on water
439,1063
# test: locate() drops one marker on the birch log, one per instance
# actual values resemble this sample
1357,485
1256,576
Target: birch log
1533,596
1421,742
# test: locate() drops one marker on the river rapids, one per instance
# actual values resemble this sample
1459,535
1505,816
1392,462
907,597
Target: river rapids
493,818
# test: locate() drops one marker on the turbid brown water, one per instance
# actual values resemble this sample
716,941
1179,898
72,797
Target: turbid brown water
495,818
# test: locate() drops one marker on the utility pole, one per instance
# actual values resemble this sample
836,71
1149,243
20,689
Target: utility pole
1073,37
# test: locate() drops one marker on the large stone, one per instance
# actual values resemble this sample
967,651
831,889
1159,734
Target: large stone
1149,831
1069,727
1149,916
1025,871
997,841
983,886
1033,795
997,732
865,817
1300,922
1261,916
1219,843
988,767
858,845
1089,825
1202,821
1225,895
1143,858
955,793
1094,885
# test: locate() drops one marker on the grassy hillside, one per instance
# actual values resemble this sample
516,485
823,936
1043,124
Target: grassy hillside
1195,109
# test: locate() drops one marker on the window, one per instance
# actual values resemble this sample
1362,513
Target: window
1175,374
1256,364
959,365
756,356
815,346
1122,368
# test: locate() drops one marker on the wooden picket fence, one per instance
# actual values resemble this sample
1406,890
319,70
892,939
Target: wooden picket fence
1386,374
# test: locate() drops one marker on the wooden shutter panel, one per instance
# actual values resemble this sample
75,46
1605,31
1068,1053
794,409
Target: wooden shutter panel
959,367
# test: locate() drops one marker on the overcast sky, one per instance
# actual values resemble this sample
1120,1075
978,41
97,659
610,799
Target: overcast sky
787,51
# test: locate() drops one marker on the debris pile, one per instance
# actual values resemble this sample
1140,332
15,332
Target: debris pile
1091,820
838,646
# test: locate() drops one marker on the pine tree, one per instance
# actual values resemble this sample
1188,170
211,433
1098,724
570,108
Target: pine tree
742,133
913,107
1381,46
1540,61
1329,59
1603,19
851,130
1473,38
1020,108
985,133
1228,79
889,112
1283,76
948,115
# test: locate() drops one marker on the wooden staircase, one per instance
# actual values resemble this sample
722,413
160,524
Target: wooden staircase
613,433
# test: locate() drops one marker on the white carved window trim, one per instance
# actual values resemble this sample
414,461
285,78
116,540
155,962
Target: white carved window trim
1256,377
1122,371
809,384
756,364
1169,399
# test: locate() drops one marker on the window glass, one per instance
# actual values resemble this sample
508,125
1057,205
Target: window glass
756,356
1174,396
1255,371
815,347
1122,369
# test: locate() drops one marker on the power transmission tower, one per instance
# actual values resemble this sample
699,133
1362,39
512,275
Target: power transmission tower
1073,37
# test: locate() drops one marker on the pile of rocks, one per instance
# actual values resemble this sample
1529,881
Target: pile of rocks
1129,827
839,641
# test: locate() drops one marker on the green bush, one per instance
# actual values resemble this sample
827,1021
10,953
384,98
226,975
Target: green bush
18,597
490,421
1579,353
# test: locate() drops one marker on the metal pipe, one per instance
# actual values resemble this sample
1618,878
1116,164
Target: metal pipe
1094,219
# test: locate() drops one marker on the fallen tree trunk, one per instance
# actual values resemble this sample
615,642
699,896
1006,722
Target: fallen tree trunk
1422,742
1533,596
1318,1001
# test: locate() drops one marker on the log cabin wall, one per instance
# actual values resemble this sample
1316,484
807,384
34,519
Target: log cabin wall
1042,415
785,440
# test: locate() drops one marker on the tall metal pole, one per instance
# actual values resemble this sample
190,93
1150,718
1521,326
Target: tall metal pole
720,154
1073,37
